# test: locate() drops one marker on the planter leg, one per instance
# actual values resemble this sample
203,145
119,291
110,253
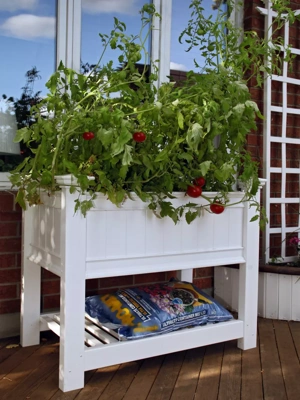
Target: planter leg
185,275
30,290
72,295
71,357
247,310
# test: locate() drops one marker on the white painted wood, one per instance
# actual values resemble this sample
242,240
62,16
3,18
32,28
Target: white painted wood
4,181
295,306
185,275
279,296
30,286
272,296
285,297
261,294
72,297
248,280
163,344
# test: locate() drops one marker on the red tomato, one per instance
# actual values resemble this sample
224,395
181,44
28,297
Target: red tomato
139,137
88,135
217,208
199,181
194,191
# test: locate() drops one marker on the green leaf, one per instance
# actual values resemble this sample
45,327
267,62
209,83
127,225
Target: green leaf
106,136
180,120
127,157
22,134
194,136
190,216
204,167
255,218
20,198
119,145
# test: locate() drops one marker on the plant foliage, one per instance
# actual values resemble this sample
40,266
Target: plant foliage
198,128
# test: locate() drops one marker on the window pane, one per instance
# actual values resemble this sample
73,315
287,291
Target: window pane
181,60
98,17
27,47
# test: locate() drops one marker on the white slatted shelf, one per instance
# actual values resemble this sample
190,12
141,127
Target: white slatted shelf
94,335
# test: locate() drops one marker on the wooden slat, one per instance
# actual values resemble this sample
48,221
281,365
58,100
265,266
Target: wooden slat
187,381
24,369
272,375
295,331
121,381
34,379
17,356
252,385
98,383
230,382
208,385
49,389
6,351
289,359
164,383
144,379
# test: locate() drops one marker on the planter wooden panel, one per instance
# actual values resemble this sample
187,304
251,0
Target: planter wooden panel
113,241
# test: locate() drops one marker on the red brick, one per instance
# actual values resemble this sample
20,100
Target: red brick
10,275
200,272
19,260
47,274
51,287
10,245
92,284
8,229
150,278
10,216
8,292
170,275
116,281
6,201
7,260
203,283
9,306
51,302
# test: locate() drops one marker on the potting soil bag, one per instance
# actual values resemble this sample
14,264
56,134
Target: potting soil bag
148,310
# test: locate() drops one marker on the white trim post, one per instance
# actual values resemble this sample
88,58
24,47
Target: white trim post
248,279
72,296
30,285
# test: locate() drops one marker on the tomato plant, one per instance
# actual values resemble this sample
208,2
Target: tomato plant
194,191
217,207
116,103
88,135
139,137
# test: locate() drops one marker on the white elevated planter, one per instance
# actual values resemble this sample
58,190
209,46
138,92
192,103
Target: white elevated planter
113,241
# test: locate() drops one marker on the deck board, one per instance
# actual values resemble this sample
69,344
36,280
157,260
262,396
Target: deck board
217,372
273,384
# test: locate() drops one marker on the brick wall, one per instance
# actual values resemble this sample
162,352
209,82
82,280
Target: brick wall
10,267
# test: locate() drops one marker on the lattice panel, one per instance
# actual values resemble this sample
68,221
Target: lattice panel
282,147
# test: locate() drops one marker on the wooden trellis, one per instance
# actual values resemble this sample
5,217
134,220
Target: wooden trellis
281,147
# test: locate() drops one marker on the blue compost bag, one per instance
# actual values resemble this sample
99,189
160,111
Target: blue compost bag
154,309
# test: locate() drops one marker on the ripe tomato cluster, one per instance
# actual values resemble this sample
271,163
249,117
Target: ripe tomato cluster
196,189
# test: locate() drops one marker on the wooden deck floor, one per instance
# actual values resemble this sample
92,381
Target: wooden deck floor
217,372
